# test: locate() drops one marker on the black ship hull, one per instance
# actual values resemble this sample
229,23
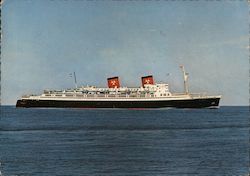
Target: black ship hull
188,103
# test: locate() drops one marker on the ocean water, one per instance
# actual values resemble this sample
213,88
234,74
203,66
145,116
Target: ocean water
175,142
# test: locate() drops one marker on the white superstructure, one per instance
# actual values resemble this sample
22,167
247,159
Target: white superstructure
148,92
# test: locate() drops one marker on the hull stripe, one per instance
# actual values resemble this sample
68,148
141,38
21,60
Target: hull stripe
187,103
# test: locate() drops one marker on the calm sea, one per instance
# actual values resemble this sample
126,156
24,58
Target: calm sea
212,142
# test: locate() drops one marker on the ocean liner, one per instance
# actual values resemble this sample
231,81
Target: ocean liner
149,95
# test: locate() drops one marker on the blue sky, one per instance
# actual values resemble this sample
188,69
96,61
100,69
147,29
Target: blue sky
46,40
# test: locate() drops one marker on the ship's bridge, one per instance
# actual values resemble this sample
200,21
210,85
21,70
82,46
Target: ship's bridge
159,89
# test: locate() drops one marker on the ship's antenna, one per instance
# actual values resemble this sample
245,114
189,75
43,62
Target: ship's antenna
185,77
75,80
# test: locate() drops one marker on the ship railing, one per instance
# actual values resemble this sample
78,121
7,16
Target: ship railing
28,96
176,94
115,96
95,95
203,94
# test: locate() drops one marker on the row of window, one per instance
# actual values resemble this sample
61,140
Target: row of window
165,94
110,95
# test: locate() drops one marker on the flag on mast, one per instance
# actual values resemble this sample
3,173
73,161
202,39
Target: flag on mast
71,75
186,76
